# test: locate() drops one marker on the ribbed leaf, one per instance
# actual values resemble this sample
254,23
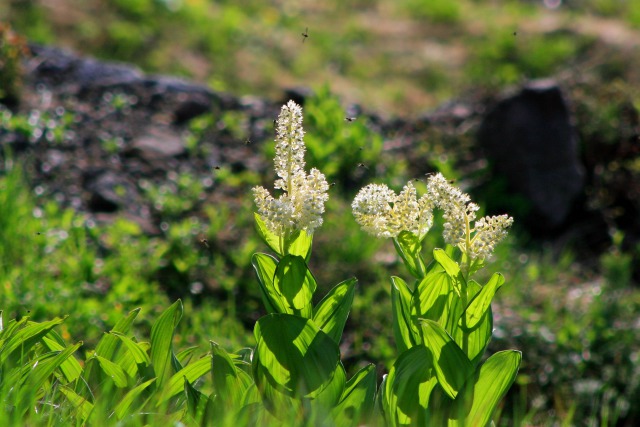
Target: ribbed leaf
451,364
408,246
407,388
70,367
450,266
272,240
331,313
484,390
45,368
481,303
122,409
299,244
296,285
435,298
403,329
229,382
191,372
265,267
357,400
82,405
138,353
25,338
115,372
475,340
161,338
294,358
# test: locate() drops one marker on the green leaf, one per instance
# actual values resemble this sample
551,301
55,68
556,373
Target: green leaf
197,402
407,388
451,364
265,267
403,330
229,382
301,245
484,390
298,244
192,372
25,338
294,359
481,303
475,340
138,353
296,285
109,344
272,240
115,372
122,409
81,404
70,368
450,266
409,246
435,299
357,400
45,368
331,313
161,338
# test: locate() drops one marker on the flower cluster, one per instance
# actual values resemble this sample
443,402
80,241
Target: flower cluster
383,213
302,204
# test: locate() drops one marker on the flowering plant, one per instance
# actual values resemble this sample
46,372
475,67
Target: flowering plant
443,322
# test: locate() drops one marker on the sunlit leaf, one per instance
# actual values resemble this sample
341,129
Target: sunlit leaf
331,313
451,365
191,372
122,409
403,329
161,339
408,246
265,267
113,371
357,400
295,284
484,390
481,303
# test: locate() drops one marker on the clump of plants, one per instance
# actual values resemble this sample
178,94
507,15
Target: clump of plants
442,323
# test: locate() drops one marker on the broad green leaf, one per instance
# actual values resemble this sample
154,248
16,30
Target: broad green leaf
484,390
452,367
450,266
228,381
265,267
357,400
196,401
407,388
109,344
82,405
301,245
25,338
139,371
122,409
139,355
403,329
272,240
331,313
293,359
296,285
42,370
70,368
481,303
161,337
191,372
408,246
435,299
298,244
475,340
115,372
184,356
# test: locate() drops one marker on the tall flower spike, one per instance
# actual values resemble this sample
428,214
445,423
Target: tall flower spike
302,204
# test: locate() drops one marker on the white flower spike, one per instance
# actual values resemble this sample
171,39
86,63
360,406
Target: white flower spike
302,204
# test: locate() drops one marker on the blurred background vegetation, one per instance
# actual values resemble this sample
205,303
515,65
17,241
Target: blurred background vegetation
576,322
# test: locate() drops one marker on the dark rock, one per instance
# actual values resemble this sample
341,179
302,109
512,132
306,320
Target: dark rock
157,144
108,192
532,143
